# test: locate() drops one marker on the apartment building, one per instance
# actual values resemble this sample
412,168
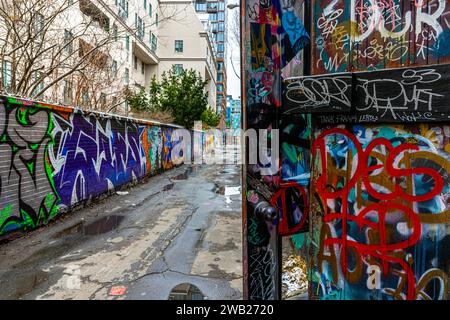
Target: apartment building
185,43
133,40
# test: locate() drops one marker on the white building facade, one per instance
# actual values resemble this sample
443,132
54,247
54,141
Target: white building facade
134,40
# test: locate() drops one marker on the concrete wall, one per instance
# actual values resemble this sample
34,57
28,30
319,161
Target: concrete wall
53,158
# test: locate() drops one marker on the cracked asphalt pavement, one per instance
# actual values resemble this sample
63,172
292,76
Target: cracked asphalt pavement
183,226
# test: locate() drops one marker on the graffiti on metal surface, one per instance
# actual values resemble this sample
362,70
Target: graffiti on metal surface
381,205
329,93
392,95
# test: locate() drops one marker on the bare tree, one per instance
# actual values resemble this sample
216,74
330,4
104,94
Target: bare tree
48,50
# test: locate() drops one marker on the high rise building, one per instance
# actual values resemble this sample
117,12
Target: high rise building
216,12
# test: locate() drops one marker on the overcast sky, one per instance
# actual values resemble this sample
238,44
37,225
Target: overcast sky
233,82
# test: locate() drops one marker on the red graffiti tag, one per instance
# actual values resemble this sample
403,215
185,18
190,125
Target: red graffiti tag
280,202
390,200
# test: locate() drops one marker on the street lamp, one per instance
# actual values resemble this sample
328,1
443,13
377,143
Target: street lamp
233,5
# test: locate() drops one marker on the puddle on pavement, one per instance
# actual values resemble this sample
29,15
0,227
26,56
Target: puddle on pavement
168,187
102,225
186,291
99,226
185,174
228,171
69,231
182,176
227,191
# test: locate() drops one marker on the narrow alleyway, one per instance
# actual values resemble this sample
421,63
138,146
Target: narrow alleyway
183,226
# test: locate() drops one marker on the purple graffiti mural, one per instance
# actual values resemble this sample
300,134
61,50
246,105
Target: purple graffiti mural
93,155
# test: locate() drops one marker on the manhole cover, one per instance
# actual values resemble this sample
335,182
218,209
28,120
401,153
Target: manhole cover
186,291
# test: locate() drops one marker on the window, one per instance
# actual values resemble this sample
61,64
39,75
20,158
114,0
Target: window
135,62
67,92
220,36
221,6
84,97
157,20
127,43
123,8
178,46
178,68
126,78
150,10
219,87
38,26
140,26
38,78
115,32
68,41
145,4
219,66
200,6
154,42
221,16
7,74
211,7
103,99
221,26
142,67
220,47
219,77
114,67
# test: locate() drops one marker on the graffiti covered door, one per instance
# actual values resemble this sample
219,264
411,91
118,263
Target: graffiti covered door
275,183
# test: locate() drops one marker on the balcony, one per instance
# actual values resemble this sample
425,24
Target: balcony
145,53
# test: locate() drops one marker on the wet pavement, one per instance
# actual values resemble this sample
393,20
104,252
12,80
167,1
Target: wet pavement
183,226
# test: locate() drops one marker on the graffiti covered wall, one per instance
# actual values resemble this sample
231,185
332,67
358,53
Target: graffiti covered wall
379,187
369,164
351,35
381,212
54,158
